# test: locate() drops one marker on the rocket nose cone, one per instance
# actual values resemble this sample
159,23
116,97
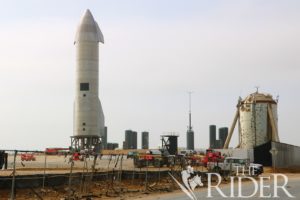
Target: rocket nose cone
87,11
87,17
88,29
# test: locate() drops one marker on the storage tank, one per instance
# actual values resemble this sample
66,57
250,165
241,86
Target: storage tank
257,120
212,136
145,140
134,140
223,133
130,139
127,141
190,140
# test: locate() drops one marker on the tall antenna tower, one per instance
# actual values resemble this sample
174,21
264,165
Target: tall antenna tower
190,112
190,132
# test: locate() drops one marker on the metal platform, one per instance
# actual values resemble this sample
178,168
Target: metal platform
86,143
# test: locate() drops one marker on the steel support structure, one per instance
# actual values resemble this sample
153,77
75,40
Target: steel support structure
85,143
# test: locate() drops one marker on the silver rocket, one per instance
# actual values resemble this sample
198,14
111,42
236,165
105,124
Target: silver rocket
88,113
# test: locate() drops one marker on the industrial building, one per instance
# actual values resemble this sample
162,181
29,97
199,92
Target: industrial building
284,155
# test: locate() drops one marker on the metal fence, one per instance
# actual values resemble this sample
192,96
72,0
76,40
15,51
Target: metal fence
32,169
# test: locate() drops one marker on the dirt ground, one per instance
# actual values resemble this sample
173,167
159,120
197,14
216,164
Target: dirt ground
126,189
96,190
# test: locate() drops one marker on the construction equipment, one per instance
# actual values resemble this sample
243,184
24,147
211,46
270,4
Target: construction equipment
234,165
212,156
28,157
194,159
78,157
152,158
57,151
132,154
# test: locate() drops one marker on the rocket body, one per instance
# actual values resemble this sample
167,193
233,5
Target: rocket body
88,113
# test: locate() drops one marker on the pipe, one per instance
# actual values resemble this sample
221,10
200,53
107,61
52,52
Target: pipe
231,129
275,137
12,194
70,178
45,166
22,151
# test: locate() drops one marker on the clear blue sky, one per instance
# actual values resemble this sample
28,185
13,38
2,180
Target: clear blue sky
154,52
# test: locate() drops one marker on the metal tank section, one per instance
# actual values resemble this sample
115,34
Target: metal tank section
145,140
190,140
256,116
257,120
190,132
130,140
88,114
134,140
104,138
223,133
212,136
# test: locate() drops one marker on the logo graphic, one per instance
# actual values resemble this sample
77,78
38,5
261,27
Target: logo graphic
190,180
261,185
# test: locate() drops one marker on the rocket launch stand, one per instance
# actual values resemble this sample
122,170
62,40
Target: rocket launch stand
85,142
